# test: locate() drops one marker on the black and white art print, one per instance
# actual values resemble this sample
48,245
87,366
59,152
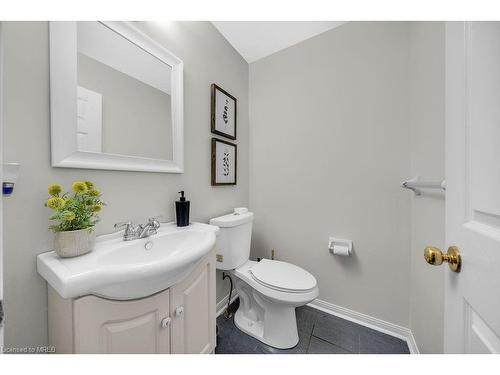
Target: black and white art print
223,162
223,113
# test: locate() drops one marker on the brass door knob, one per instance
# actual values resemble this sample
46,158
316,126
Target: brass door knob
436,257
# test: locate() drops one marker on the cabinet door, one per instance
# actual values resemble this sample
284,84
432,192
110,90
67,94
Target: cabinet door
192,309
106,326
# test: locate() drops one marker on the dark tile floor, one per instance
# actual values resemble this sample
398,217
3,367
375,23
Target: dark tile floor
319,333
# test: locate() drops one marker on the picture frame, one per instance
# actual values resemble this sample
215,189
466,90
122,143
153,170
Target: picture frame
224,162
223,112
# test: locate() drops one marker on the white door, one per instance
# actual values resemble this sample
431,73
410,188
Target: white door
472,296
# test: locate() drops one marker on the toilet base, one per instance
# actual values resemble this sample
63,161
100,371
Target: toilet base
268,321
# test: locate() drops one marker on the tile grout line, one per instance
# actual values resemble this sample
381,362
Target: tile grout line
331,343
310,337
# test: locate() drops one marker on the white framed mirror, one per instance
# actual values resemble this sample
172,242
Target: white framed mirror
116,99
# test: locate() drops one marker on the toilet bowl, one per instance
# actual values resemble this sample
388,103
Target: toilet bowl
269,290
268,298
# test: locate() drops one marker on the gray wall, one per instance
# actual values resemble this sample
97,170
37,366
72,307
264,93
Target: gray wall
342,119
329,147
427,115
207,58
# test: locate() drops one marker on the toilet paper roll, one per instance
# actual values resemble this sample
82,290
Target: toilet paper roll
341,250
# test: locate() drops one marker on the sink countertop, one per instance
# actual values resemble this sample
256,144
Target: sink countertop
118,269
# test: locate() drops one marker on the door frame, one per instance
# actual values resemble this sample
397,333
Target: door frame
1,180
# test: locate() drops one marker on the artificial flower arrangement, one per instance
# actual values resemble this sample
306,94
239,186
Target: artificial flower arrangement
75,215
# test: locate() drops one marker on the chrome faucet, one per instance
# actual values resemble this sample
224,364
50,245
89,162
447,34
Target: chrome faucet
140,231
148,229
130,230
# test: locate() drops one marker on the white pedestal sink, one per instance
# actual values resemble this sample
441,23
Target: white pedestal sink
122,270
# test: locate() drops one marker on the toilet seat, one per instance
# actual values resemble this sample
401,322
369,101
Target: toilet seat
282,276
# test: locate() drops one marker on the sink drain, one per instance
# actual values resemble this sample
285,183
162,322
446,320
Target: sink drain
148,245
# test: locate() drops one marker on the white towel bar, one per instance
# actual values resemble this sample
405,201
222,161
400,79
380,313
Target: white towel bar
415,185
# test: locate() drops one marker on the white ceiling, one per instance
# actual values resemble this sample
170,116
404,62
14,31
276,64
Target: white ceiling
257,39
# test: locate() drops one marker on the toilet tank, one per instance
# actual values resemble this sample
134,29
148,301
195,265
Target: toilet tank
233,241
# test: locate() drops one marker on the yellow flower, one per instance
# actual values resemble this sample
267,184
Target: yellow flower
79,187
97,208
68,215
54,189
56,203
90,185
94,193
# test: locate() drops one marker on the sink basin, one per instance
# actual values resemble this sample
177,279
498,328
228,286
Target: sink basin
118,269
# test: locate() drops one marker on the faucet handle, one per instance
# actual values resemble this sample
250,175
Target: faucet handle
123,224
154,222
129,233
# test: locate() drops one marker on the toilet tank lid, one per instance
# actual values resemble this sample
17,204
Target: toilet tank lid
238,217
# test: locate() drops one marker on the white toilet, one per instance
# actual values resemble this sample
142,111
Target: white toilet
269,290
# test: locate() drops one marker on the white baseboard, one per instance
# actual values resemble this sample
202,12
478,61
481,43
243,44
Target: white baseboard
368,321
222,304
412,343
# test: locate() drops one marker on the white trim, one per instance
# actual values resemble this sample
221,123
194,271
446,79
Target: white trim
412,343
221,305
63,103
368,321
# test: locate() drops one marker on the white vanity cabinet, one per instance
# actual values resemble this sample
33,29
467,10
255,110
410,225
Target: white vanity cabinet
192,330
106,326
180,319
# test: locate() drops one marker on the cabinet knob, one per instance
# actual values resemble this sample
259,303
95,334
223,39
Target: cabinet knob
179,311
165,322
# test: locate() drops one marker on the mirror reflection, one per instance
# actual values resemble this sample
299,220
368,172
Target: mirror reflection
123,96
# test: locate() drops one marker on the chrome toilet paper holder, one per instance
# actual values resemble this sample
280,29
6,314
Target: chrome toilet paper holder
339,246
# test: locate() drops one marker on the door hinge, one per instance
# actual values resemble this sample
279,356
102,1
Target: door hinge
1,312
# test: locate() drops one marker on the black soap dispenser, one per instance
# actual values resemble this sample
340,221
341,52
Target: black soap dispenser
182,211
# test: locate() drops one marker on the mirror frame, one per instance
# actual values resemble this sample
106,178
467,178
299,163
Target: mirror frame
63,103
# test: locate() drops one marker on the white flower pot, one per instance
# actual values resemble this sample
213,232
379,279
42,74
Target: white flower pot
74,243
